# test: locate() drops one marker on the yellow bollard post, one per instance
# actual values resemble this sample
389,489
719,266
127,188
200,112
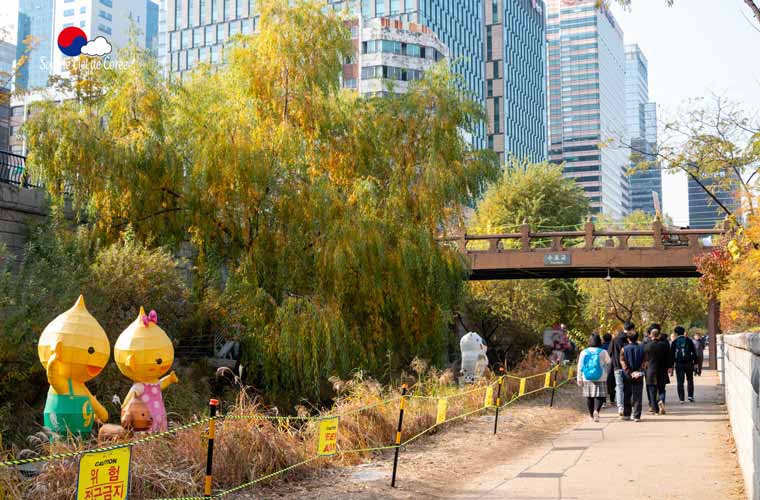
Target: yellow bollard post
402,405
522,386
498,401
210,453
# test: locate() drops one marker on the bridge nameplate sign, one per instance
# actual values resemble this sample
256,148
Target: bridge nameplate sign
557,259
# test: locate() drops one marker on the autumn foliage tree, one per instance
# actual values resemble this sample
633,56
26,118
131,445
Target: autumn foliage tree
318,208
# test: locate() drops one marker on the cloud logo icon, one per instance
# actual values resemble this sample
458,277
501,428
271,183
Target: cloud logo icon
98,46
71,40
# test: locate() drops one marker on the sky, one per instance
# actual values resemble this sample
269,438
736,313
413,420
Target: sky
694,48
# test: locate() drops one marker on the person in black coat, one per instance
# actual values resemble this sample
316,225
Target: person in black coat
684,357
606,341
658,364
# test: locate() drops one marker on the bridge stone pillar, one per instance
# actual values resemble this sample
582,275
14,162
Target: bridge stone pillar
713,329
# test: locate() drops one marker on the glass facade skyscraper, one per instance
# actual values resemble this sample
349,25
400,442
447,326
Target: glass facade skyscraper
641,130
704,212
35,19
515,58
151,26
587,101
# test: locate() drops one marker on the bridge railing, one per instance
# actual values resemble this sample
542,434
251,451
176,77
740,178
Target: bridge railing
526,240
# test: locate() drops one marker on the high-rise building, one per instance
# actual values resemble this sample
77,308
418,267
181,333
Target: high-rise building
641,131
7,57
704,212
390,54
151,26
43,20
114,20
515,58
587,101
35,40
197,30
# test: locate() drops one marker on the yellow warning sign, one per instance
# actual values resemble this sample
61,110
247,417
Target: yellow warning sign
328,436
104,475
488,402
440,416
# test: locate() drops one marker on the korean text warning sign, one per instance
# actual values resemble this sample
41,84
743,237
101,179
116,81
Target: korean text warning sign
104,475
328,436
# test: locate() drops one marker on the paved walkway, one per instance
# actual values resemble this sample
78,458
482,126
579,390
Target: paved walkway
681,455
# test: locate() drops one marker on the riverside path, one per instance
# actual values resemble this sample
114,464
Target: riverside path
681,455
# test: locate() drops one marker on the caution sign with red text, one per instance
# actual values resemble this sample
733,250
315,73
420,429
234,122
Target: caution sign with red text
104,475
328,436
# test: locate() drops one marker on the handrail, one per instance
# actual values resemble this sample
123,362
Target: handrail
13,170
664,237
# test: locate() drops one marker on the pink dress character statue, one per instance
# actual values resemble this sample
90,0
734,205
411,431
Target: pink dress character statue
144,353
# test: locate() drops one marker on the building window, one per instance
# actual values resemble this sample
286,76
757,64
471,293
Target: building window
214,17
66,25
68,12
379,8
489,88
185,39
210,35
495,11
177,12
109,3
239,9
349,83
105,29
496,115
202,12
83,10
395,6
105,15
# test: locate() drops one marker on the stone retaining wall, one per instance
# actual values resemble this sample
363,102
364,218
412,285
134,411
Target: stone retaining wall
742,382
19,209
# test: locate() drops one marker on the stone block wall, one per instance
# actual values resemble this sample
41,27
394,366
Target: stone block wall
20,208
742,383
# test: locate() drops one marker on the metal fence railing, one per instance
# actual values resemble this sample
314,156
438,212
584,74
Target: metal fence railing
13,170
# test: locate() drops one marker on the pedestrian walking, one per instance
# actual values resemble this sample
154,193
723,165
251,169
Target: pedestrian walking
593,366
685,360
658,360
615,349
644,343
606,341
633,361
699,346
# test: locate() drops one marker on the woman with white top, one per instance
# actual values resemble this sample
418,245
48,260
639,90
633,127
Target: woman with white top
593,367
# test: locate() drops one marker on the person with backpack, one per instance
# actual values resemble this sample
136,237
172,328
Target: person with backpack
593,366
633,360
657,354
615,349
684,357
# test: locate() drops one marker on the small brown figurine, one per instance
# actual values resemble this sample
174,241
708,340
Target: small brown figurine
135,416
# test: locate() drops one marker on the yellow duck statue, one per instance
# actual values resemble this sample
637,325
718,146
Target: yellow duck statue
73,348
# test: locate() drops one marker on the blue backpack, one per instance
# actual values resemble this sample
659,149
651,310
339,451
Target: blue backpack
592,366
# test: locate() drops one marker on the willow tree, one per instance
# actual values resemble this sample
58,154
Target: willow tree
323,205
516,312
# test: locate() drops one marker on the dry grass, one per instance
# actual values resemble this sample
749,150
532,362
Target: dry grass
252,444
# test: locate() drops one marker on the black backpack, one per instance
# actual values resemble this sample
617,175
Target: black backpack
682,353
